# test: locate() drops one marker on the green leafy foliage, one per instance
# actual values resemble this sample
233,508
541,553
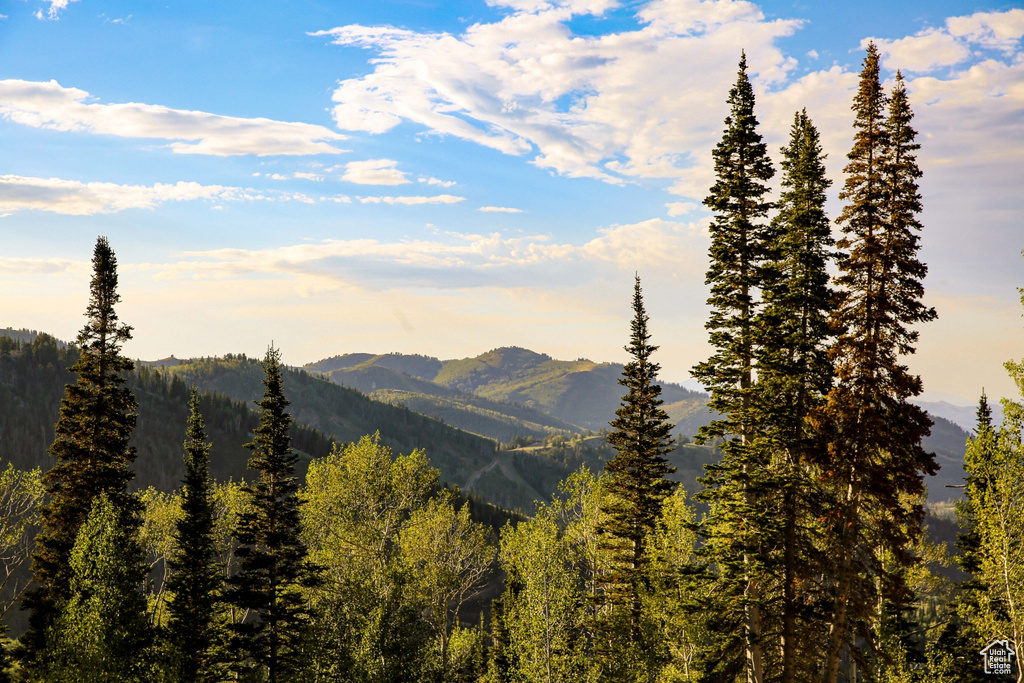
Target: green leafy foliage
355,503
545,613
449,558
102,632
21,494
993,517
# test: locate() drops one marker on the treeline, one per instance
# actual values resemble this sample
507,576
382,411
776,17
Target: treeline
33,375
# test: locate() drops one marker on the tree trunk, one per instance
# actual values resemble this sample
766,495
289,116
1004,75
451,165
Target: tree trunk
839,632
788,591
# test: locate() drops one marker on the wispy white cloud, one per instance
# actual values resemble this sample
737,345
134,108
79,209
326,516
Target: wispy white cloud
680,208
499,209
76,198
584,106
455,260
374,172
40,266
56,7
436,199
994,30
51,106
921,52
954,43
437,181
614,108
302,175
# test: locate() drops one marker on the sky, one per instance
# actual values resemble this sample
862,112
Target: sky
448,177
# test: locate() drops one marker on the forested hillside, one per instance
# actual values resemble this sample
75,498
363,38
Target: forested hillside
32,380
33,375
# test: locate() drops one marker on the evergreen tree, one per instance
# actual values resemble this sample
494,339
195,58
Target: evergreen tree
737,527
960,637
977,459
193,628
97,416
102,632
273,569
636,486
874,464
499,657
794,375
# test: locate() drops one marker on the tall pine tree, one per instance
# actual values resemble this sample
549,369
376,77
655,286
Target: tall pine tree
97,417
194,631
794,375
636,485
740,237
273,569
874,464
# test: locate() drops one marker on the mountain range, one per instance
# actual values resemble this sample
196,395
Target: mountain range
544,395
506,425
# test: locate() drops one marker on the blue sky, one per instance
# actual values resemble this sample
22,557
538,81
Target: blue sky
448,177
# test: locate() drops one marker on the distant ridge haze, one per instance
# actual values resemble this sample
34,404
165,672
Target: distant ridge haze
504,395
583,394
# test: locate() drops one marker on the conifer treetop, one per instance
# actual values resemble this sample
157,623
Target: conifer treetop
102,333
641,435
194,634
984,412
274,569
641,427
92,447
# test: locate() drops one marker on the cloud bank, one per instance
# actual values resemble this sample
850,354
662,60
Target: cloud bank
374,172
76,198
458,260
51,106
649,103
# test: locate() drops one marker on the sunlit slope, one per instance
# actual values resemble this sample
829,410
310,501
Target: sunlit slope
543,393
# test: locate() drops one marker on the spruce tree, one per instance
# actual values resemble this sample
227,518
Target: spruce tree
273,569
737,527
978,459
874,464
794,375
193,630
636,485
97,416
